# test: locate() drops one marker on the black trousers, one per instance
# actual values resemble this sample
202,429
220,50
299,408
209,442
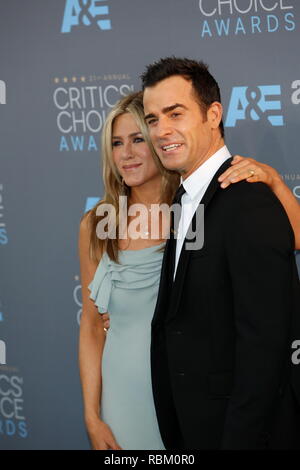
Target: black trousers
286,430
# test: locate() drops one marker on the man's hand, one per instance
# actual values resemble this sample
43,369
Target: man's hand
106,321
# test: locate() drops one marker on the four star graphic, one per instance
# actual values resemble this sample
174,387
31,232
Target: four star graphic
67,80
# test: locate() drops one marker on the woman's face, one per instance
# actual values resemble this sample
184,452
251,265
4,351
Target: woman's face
131,154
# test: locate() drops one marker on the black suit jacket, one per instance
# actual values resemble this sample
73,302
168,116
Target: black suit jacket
221,333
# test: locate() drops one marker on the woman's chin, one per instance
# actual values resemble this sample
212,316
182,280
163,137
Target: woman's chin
132,182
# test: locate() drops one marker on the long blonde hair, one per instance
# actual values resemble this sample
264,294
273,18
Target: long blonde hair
113,185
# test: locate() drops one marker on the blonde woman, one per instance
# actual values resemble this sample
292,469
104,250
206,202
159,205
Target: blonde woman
121,276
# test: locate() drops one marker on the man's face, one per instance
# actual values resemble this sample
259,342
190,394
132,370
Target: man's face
182,137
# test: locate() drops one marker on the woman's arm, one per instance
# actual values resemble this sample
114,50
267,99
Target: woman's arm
243,168
91,344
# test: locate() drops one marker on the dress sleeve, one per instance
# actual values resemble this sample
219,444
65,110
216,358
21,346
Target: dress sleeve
100,286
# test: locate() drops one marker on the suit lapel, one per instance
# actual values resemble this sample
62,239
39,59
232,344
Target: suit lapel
185,254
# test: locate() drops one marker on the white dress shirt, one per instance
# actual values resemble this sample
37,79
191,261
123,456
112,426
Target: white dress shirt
195,186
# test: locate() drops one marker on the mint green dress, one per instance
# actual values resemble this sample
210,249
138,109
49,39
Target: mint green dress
128,291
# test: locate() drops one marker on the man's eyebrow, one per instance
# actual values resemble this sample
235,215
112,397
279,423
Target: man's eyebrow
167,109
133,134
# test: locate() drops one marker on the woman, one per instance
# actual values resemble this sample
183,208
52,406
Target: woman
121,276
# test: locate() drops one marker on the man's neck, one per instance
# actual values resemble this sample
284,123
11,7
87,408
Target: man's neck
216,145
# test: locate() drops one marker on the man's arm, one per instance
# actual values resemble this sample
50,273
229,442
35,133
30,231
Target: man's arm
260,250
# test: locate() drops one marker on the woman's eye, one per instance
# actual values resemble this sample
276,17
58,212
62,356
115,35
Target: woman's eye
116,143
137,140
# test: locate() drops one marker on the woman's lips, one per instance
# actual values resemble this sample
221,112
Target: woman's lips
132,166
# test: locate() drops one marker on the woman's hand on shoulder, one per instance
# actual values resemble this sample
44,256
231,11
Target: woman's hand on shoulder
250,170
101,435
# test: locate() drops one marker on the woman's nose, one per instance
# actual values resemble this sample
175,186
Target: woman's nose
127,151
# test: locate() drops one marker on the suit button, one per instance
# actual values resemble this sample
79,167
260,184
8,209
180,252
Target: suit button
181,374
177,332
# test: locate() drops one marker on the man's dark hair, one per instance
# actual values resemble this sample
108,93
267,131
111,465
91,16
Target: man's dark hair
205,86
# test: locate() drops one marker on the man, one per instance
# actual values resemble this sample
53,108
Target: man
227,313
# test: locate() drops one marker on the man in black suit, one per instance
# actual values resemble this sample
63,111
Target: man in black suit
227,313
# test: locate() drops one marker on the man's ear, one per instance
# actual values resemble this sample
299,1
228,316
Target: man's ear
214,114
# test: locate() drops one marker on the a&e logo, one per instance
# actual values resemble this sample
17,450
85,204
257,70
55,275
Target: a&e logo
85,12
256,103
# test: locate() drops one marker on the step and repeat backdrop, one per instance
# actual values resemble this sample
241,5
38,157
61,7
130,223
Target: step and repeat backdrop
63,65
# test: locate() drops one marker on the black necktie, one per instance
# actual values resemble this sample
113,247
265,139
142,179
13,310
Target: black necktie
177,200
174,227
178,195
